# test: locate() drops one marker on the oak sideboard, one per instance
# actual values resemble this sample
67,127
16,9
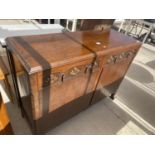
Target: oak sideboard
67,72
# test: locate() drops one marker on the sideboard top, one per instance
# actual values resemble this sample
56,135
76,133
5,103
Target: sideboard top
39,52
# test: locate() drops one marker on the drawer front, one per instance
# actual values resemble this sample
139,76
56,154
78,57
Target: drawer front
123,56
60,75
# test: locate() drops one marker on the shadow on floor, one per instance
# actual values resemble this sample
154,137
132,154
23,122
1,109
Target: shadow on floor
101,119
151,64
141,101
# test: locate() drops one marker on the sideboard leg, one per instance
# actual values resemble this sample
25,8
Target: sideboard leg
112,96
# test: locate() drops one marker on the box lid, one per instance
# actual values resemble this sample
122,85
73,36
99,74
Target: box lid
41,52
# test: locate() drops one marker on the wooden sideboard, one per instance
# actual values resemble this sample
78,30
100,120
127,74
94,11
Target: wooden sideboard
66,72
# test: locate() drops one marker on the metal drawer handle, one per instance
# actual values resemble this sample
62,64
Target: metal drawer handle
123,55
74,71
90,67
47,80
54,78
111,60
95,64
51,78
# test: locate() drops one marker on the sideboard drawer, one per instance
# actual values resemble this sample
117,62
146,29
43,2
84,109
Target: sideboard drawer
123,56
57,76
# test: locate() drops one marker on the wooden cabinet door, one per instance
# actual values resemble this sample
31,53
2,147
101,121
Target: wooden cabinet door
68,84
112,74
64,98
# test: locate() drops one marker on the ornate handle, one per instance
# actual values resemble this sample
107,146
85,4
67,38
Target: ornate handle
74,71
51,79
116,58
54,78
95,64
47,79
111,60
89,68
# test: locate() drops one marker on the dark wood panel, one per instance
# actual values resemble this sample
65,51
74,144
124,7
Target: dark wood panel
59,115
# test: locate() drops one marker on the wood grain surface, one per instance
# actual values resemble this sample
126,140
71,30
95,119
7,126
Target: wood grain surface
66,71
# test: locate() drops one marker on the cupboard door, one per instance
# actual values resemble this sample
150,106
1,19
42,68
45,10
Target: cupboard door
62,88
112,74
65,98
